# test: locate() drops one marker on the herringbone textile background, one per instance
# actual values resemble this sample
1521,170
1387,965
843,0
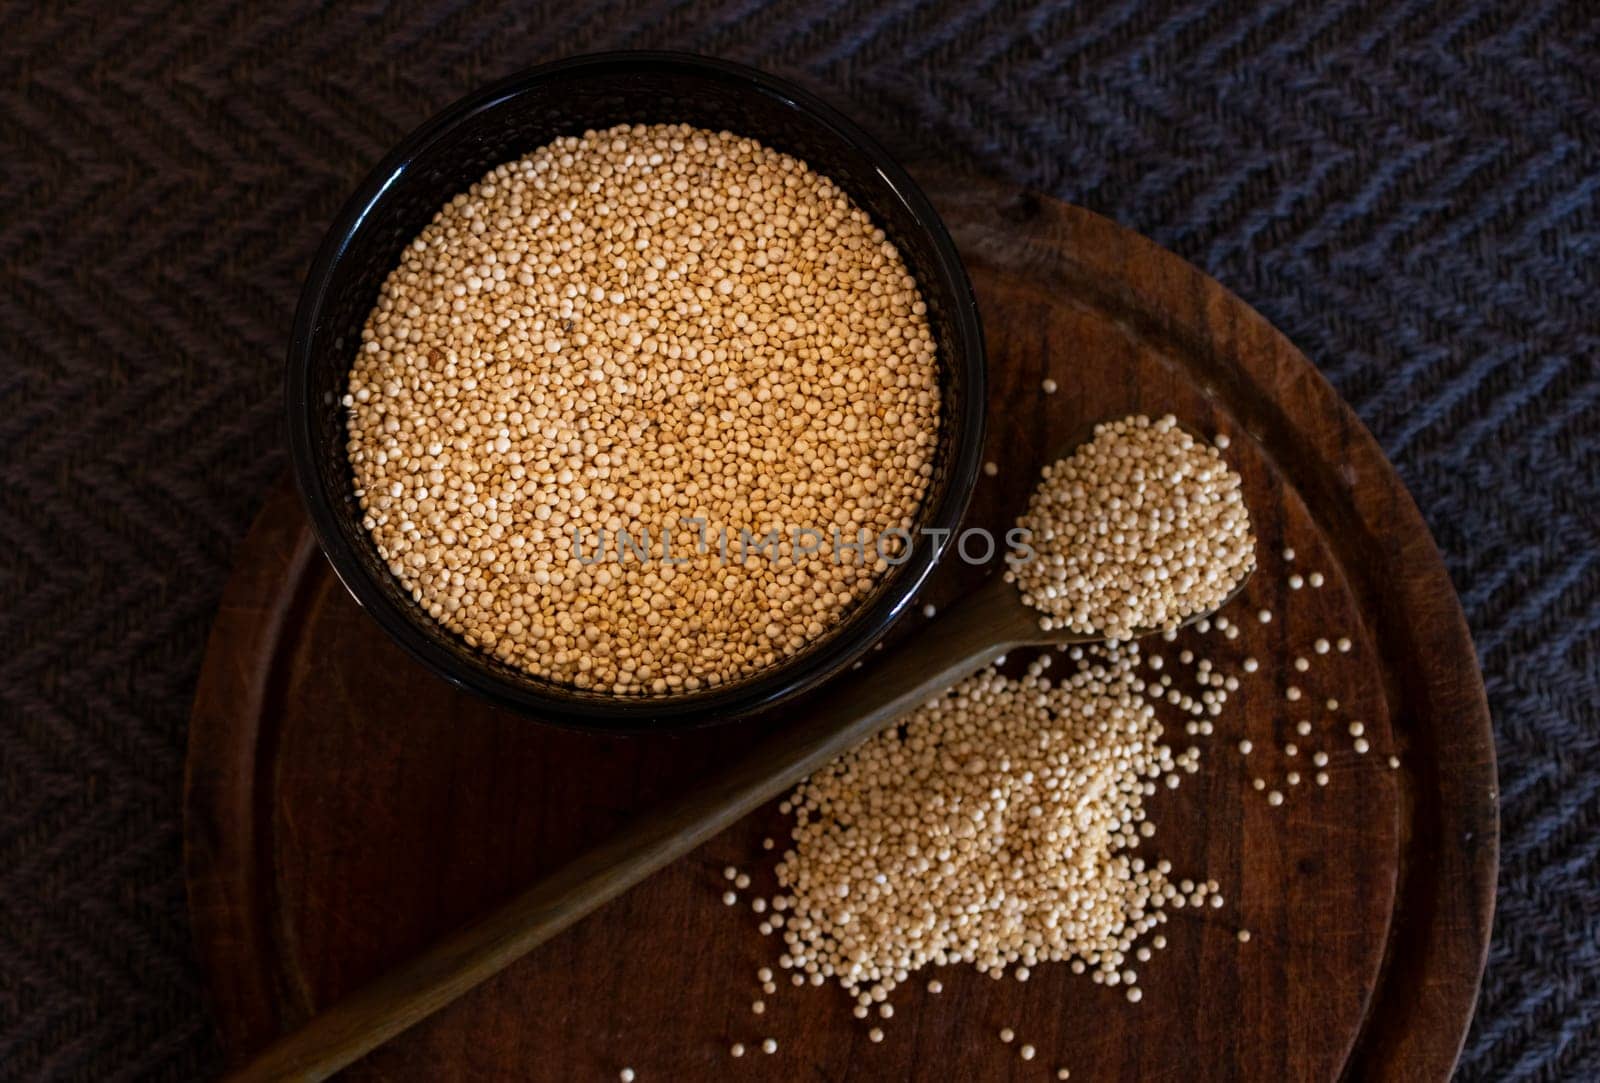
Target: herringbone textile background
1411,190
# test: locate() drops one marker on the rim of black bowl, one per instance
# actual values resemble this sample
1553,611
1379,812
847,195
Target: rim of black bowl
551,702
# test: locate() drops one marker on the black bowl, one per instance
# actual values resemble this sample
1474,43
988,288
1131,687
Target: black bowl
510,119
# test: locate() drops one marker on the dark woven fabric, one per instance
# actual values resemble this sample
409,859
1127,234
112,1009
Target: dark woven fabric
1410,190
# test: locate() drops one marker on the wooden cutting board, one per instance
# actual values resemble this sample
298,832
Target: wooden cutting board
345,808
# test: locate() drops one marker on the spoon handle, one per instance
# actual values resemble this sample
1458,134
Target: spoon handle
967,636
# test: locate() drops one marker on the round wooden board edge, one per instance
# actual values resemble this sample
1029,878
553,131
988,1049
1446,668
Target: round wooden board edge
219,791
1421,1025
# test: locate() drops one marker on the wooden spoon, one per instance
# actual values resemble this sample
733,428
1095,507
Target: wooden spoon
964,638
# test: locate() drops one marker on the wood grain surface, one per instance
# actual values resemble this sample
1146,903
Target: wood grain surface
346,809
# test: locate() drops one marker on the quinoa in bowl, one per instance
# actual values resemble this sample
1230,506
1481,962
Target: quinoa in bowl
636,334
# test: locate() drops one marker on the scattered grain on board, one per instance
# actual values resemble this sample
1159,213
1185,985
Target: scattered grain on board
929,834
